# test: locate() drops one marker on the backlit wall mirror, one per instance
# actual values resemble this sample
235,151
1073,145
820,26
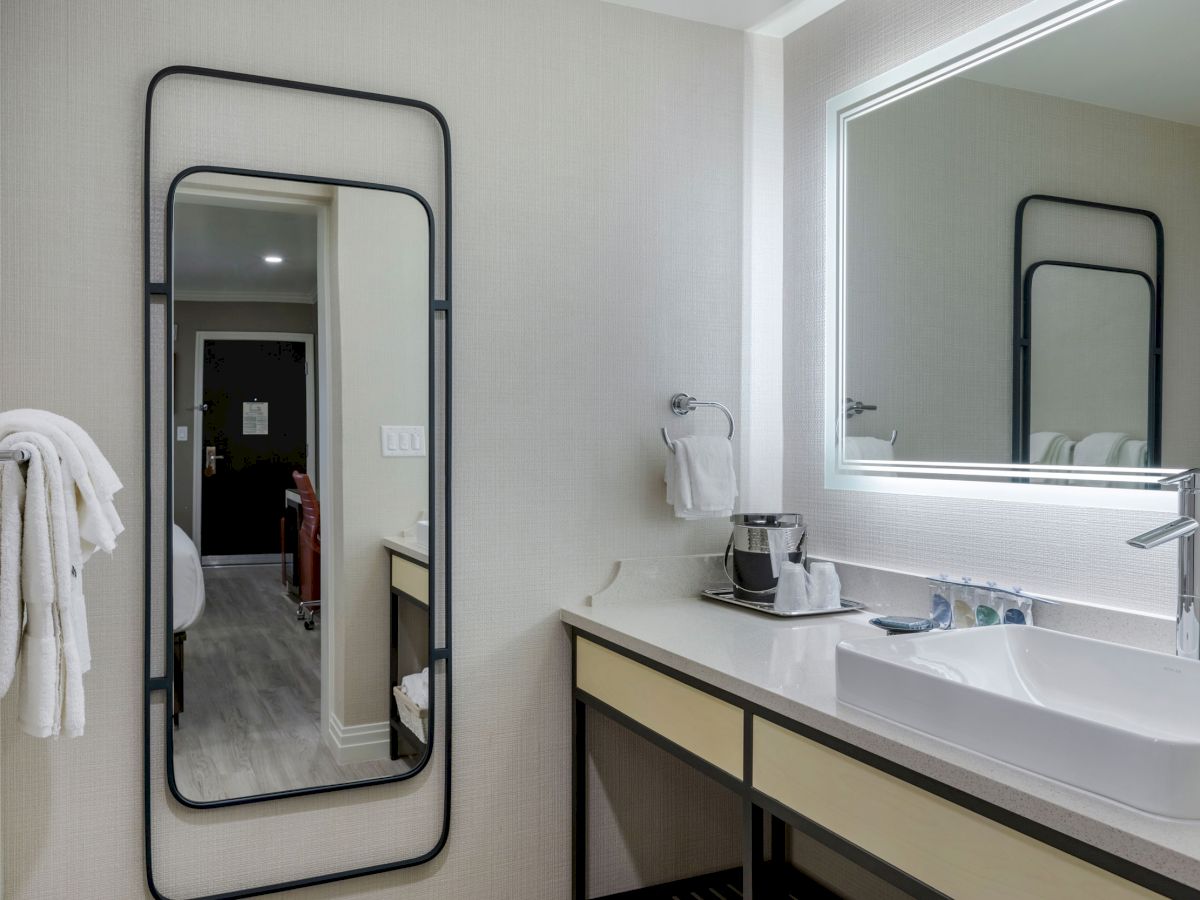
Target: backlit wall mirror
1011,290
301,317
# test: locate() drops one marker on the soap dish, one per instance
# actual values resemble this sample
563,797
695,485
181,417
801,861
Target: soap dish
725,595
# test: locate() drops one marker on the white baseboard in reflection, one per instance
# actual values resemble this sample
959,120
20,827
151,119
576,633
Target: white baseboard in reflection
357,743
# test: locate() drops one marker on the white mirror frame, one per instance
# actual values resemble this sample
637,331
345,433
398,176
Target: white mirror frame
990,481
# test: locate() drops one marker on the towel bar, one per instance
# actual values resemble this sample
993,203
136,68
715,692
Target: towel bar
682,404
20,455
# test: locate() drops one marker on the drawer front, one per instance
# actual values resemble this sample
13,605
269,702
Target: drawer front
952,849
698,722
410,578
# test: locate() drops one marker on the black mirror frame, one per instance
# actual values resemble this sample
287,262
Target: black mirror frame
1022,287
160,292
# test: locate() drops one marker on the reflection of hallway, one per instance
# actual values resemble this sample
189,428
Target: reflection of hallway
251,724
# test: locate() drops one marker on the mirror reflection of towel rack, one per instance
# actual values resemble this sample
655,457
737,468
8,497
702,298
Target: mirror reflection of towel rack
682,404
19,455
857,408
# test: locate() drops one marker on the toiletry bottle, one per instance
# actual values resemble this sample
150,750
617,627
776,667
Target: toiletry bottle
988,605
963,604
940,609
1018,608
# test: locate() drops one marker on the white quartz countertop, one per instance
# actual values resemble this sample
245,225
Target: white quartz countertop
408,547
787,666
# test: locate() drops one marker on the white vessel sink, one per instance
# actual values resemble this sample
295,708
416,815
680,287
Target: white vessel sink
1114,720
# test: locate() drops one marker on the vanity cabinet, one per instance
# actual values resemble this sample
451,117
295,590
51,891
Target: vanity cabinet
925,838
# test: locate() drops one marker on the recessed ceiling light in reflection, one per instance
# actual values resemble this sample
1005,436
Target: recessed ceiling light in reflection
273,260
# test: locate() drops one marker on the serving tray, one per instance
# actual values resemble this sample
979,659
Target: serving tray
725,595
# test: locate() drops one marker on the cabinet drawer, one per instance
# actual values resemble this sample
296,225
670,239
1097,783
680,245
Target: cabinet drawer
952,849
410,578
696,721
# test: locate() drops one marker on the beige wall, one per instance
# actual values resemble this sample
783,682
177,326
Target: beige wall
598,206
382,375
1071,552
191,317
934,182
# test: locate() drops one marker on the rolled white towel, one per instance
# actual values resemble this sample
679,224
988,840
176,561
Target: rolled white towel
416,688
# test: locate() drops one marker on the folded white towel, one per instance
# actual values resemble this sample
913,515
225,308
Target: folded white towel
1102,449
701,480
51,701
1133,455
1050,448
416,687
869,448
89,484
12,608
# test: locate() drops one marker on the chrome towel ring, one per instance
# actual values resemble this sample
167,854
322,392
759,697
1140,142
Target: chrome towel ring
682,404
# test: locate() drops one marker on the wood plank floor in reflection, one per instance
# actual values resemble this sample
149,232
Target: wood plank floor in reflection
251,724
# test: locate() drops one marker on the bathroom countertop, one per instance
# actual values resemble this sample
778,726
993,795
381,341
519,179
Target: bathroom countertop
407,547
787,666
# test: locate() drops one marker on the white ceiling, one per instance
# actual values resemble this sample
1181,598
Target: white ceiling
219,252
777,18
1140,56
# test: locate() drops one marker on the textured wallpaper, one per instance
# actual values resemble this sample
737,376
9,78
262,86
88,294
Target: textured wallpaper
1070,552
598,172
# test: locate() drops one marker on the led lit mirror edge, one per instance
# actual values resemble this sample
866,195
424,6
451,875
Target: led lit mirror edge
431,481
957,480
152,683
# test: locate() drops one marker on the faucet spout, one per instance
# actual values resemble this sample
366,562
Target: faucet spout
1180,528
1183,529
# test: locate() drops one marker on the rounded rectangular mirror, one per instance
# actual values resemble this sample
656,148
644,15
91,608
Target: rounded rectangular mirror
302,425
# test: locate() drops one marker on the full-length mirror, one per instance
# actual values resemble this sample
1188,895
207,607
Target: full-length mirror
302,426
1012,285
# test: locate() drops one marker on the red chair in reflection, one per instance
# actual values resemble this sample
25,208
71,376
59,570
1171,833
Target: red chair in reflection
309,548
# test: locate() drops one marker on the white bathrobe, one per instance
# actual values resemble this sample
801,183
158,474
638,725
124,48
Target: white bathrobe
51,701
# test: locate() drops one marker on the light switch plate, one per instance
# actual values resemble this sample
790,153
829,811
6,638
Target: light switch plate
402,440
181,433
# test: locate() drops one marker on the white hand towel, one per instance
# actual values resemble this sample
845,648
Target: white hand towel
869,448
90,483
701,481
51,701
96,483
12,609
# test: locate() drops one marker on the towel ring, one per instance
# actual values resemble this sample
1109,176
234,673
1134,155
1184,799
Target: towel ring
682,404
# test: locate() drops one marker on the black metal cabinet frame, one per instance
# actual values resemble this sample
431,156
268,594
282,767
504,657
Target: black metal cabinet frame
759,881
160,293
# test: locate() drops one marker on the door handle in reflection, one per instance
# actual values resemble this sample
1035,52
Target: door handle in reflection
210,461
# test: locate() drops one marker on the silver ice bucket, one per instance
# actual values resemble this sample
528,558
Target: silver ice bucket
756,538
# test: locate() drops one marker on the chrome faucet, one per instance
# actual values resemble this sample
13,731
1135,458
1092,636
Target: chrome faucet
1183,529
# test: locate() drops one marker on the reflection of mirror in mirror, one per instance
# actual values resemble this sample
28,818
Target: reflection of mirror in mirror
1105,110
1090,364
301,314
